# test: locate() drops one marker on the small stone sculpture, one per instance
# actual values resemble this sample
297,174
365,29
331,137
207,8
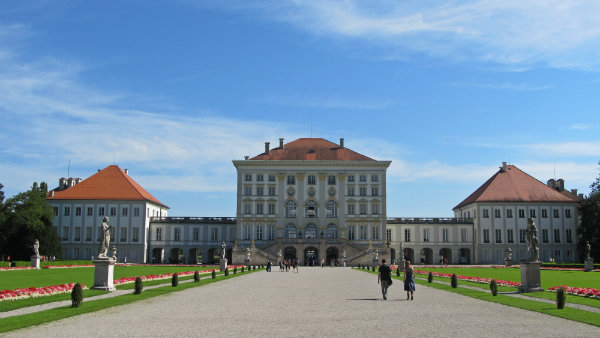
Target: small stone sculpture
103,250
252,244
533,250
223,246
508,254
279,254
370,244
344,252
588,250
36,247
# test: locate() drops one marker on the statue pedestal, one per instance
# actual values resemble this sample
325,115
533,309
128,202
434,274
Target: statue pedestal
35,261
222,264
104,274
530,277
589,264
508,262
375,262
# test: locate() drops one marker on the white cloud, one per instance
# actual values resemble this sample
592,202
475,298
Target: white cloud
566,149
313,101
581,126
554,33
503,86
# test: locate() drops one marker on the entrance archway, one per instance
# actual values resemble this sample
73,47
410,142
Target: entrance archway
447,254
311,254
176,256
465,256
158,254
332,254
392,256
409,255
289,253
195,256
427,256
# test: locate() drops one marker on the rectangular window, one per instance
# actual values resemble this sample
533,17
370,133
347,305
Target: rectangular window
350,178
521,213
271,191
88,234
486,213
291,179
407,235
259,232
259,178
248,178
271,232
113,211
363,209
135,234
532,213
375,209
509,213
271,178
555,213
556,236
362,178
388,235
568,213
351,232
214,234
509,236
544,235
374,178
259,191
351,210
350,191
569,236
78,211
124,212
90,211
77,236
486,236
498,236
65,236
363,232
159,234
259,208
67,211
463,235
312,179
248,191
331,180
246,232
374,191
247,208
362,191
375,232
496,213
177,234
522,235
196,234
544,213
123,234
425,235
55,211
271,207
444,235
136,212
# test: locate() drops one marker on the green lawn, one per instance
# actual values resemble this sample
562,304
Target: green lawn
549,278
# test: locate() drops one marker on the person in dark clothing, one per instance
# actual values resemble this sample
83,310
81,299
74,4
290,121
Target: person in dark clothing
409,280
384,278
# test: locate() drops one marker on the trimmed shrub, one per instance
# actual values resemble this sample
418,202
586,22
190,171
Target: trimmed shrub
214,274
454,281
494,287
196,276
561,297
398,272
139,286
430,277
253,267
226,271
242,270
76,295
359,266
175,280
234,270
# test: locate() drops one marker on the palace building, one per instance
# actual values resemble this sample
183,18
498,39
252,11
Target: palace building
314,199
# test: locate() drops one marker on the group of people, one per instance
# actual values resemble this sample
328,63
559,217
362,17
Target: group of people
384,278
285,264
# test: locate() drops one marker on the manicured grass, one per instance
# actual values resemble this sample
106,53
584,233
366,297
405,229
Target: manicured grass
18,322
549,278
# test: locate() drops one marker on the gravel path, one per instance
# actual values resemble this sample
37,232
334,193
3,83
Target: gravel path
317,302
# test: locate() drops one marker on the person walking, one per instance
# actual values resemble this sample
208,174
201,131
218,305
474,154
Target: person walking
409,280
384,278
269,264
295,265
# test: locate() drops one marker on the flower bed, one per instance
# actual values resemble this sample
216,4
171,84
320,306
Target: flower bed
471,279
36,292
67,266
584,292
127,280
16,268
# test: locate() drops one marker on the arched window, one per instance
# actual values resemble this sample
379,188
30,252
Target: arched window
310,231
290,209
331,211
311,210
290,230
331,231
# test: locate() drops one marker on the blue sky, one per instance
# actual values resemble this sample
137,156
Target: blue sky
174,91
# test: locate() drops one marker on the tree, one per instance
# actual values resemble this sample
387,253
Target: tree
25,217
589,226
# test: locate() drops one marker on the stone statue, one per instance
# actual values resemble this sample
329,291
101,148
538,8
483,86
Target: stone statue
235,243
36,248
588,250
370,244
279,254
508,254
252,244
343,235
105,242
533,250
247,253
375,254
344,252
223,246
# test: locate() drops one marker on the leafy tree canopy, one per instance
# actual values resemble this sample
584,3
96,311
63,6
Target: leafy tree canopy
589,227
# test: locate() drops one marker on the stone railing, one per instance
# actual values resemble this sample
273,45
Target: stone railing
205,220
430,220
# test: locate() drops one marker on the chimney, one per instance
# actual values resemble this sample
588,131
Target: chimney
281,142
574,192
127,172
504,167
560,184
62,183
342,142
552,183
267,148
51,193
99,170
246,157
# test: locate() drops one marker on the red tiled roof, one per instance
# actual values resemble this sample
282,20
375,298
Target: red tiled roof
110,183
514,185
312,149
